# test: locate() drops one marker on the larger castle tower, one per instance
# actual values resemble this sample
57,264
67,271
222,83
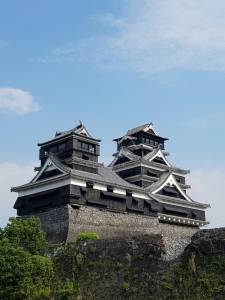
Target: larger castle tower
139,193
141,159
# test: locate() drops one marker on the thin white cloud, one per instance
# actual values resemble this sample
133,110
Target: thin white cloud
212,121
11,174
208,186
17,101
156,35
3,44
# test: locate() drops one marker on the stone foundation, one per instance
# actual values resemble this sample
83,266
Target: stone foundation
64,223
55,223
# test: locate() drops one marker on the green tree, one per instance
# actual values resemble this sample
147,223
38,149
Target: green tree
26,233
23,275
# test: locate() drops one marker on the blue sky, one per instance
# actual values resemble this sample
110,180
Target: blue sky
114,65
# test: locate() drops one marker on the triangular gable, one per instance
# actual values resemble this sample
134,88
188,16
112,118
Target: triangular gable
171,191
158,154
146,128
171,181
82,130
150,129
48,166
123,153
118,158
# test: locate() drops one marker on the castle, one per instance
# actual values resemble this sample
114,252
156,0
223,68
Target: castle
140,192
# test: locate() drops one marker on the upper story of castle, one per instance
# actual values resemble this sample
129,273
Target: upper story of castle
141,159
141,140
76,148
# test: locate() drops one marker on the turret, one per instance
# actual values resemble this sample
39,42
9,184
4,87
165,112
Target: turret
72,146
141,140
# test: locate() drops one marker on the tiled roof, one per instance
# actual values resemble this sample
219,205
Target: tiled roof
151,154
124,152
178,201
159,182
78,130
141,128
105,176
148,127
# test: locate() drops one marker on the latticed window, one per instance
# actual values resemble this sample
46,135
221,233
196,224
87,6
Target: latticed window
91,148
86,146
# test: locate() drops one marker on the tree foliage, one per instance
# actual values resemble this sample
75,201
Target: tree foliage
188,279
85,236
26,233
24,272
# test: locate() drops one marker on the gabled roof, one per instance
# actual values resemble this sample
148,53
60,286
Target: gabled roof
157,152
79,130
48,166
104,176
167,178
152,164
148,128
124,152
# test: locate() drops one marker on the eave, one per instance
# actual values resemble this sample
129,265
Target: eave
39,183
83,178
179,202
139,177
65,136
181,220
157,166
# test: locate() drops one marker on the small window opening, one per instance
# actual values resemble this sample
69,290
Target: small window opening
85,157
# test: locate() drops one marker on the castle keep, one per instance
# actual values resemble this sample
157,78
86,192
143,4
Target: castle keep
140,192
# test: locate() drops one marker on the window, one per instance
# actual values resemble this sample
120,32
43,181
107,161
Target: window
91,148
193,216
151,142
85,157
146,140
86,146
53,149
110,188
62,147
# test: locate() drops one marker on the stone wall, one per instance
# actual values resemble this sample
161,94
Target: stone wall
64,223
131,269
113,269
55,223
116,225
